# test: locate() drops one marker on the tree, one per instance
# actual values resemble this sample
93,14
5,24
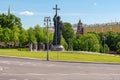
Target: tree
10,21
23,36
44,38
93,43
77,43
31,35
101,48
87,42
117,42
68,35
15,35
38,33
111,40
1,34
118,47
7,35
51,37
63,42
105,48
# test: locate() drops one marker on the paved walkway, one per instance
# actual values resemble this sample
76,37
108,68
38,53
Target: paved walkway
26,69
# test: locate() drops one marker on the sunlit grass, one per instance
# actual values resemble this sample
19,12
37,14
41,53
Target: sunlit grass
62,56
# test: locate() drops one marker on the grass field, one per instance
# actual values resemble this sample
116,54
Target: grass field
63,56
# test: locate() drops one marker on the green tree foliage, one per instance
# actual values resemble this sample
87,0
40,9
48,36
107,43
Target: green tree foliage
103,37
9,21
23,36
101,48
15,34
118,47
63,42
39,33
6,35
45,35
31,35
105,48
77,43
68,35
1,34
50,37
97,35
87,42
111,40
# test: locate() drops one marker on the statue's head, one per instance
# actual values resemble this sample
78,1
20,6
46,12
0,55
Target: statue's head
58,18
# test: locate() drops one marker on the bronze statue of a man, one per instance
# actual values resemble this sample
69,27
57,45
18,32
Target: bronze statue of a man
58,26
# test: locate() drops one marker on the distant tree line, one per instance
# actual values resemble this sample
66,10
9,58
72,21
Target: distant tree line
98,42
11,31
103,42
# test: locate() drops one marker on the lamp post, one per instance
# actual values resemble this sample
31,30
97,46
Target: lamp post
47,22
86,45
104,38
69,44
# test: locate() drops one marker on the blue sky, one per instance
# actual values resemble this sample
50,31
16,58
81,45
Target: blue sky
32,12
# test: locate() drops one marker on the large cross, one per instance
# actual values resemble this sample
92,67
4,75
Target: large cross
56,8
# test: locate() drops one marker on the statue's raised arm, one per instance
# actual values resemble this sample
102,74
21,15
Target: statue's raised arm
58,26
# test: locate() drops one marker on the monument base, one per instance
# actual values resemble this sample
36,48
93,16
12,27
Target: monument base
57,48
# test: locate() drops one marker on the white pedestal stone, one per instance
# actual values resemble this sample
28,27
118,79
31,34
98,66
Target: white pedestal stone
57,48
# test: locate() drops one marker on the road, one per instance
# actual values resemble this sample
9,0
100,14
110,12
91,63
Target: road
28,69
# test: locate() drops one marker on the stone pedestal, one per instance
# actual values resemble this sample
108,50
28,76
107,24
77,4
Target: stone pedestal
34,46
30,46
57,48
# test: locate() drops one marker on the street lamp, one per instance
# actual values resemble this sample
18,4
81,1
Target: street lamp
69,40
47,22
104,38
86,41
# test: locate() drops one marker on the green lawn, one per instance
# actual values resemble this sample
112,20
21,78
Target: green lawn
63,56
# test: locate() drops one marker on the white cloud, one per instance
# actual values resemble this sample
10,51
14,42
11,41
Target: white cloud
26,13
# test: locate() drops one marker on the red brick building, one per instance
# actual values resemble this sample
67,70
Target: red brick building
80,29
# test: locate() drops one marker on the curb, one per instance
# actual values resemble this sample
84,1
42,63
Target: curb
27,58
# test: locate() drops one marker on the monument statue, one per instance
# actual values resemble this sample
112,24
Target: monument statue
58,26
